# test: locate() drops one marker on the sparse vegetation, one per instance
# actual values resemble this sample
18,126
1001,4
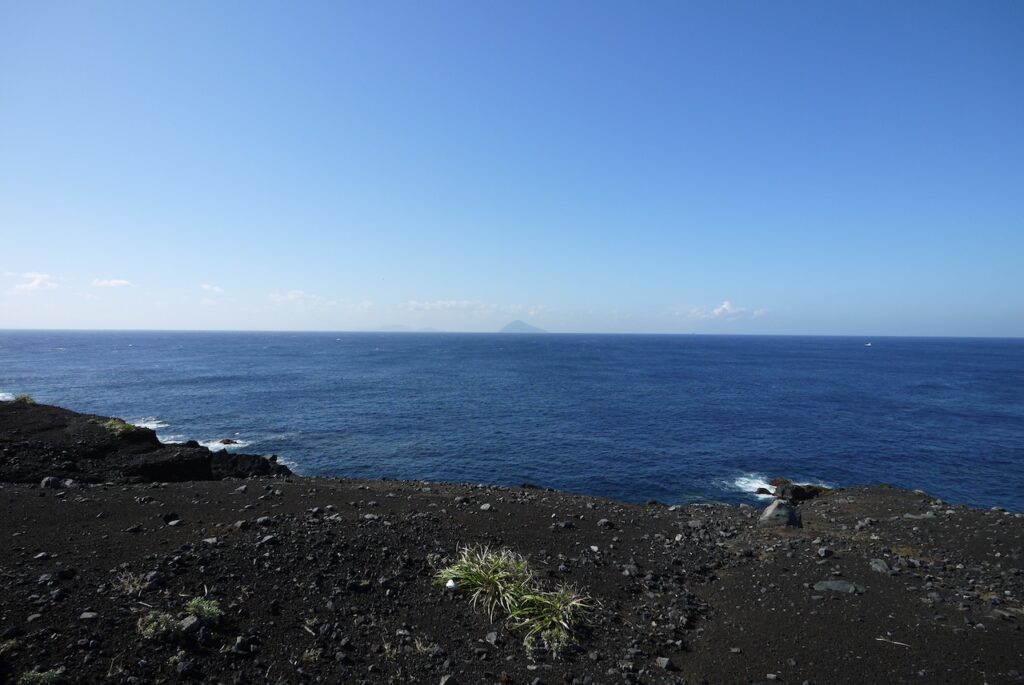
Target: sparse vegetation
119,427
50,677
549,617
157,625
503,580
206,610
494,579
130,583
422,646
8,646
24,399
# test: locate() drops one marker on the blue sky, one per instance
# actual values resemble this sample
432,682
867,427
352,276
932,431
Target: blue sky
720,167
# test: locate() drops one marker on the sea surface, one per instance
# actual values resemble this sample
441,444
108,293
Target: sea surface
632,417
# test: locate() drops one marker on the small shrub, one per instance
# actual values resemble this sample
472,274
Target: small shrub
24,399
204,609
494,579
119,427
54,675
156,625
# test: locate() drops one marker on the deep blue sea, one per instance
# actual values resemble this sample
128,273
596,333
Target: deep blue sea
632,417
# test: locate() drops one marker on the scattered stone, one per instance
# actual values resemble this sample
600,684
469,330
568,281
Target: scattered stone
485,507
50,483
841,586
605,523
880,566
89,616
665,663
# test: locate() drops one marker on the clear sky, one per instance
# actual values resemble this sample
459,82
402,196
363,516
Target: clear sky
726,167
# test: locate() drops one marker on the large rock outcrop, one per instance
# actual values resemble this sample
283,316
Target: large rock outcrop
39,441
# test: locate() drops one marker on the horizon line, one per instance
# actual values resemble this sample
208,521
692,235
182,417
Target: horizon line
501,333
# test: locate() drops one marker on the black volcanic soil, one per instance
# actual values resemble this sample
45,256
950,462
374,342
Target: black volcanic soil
332,581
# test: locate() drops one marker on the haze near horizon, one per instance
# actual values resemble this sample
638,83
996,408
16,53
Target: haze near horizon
792,168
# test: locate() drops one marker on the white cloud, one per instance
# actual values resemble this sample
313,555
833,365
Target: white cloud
296,295
35,281
111,283
215,289
727,311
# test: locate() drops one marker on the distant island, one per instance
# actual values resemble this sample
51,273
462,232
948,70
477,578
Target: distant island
518,326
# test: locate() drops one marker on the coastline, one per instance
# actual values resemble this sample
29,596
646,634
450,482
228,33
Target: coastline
334,580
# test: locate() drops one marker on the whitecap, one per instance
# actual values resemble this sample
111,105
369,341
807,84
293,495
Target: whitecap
6,396
219,444
750,483
150,422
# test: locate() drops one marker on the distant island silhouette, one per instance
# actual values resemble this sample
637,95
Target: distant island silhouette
518,326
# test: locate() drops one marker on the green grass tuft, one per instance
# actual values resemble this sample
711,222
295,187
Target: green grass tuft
204,609
156,625
548,617
503,580
54,675
493,579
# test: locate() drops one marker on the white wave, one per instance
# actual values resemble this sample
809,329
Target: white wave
751,482
171,439
289,463
6,396
150,422
219,444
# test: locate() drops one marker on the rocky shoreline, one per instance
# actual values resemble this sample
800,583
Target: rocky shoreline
137,562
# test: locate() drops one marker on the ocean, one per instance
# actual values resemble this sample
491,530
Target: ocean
632,417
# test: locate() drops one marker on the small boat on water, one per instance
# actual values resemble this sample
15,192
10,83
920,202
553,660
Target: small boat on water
867,344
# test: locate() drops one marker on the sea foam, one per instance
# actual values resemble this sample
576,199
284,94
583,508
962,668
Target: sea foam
150,422
750,482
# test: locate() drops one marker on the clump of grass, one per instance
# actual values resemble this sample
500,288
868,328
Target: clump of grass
503,580
24,399
548,617
9,645
50,677
130,583
119,427
207,610
494,579
156,625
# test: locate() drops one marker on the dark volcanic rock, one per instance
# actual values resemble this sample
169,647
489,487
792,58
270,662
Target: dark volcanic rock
792,492
51,444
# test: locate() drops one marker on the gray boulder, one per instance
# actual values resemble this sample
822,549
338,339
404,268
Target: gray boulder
779,513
